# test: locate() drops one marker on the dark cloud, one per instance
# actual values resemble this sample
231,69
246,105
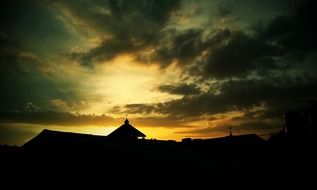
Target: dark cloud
131,25
166,122
106,51
239,55
180,89
55,118
188,106
25,37
183,47
138,109
21,81
230,53
284,35
69,119
34,26
278,97
295,32
270,64
212,54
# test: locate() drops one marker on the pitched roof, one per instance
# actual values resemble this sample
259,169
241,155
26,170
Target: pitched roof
126,131
49,137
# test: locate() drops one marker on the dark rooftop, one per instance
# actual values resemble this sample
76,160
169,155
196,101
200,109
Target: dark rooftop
126,131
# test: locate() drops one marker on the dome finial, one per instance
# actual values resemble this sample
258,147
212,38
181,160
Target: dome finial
126,119
230,131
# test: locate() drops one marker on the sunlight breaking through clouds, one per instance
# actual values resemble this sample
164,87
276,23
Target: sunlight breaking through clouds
189,67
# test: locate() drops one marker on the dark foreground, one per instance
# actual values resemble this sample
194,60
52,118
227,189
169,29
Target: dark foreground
158,163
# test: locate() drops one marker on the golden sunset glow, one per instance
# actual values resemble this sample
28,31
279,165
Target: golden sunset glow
124,81
176,68
117,93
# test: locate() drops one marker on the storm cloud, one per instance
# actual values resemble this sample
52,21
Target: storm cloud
55,118
277,96
181,89
126,26
22,78
166,63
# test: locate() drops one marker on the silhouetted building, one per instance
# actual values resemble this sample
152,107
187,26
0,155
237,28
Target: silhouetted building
300,124
295,124
186,140
126,131
311,113
48,138
247,139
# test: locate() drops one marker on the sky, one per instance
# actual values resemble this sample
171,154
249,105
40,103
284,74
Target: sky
177,68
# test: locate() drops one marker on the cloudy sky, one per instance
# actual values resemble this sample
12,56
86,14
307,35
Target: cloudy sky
190,68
